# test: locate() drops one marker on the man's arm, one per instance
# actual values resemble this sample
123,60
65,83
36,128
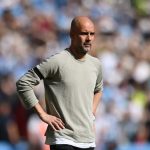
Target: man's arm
25,86
96,100
54,122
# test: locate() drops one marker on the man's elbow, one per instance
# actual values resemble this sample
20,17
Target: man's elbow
21,85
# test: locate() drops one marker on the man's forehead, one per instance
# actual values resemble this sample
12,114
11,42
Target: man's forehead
85,23
86,28
82,24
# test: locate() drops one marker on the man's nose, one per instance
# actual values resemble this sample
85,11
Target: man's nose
88,37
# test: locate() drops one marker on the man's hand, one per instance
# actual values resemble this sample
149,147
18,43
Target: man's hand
54,122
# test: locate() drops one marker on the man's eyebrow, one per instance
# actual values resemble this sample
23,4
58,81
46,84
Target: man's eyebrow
86,33
92,33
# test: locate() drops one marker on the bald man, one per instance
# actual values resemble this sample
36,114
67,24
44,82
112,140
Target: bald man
73,88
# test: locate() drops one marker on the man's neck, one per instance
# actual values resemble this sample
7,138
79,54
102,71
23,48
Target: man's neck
76,54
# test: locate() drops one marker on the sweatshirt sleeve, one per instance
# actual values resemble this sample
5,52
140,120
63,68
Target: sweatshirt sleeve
48,68
25,87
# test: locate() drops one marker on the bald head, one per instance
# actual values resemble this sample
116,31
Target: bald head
78,22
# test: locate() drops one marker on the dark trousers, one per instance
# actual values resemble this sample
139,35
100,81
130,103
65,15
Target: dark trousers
67,147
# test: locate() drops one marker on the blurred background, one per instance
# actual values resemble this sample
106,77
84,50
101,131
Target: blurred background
31,30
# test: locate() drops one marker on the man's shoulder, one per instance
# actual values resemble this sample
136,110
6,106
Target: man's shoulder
54,61
59,56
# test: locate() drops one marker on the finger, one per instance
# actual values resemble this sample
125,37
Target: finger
58,119
60,124
53,127
56,125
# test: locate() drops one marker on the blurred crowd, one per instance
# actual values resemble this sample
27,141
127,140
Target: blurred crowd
31,30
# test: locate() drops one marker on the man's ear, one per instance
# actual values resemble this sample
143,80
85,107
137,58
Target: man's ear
71,34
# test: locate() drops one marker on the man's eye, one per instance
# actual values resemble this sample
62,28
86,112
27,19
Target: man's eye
84,33
92,33
87,33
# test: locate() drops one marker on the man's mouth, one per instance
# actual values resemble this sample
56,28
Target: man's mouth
87,45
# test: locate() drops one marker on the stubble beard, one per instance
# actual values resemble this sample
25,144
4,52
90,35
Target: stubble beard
85,49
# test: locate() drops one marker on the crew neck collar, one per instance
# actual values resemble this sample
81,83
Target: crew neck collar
79,60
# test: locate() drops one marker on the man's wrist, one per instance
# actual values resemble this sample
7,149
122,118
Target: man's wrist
93,117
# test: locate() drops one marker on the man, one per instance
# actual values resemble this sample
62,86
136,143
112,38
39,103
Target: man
73,88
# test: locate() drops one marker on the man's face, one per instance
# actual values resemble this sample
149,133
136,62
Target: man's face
83,37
